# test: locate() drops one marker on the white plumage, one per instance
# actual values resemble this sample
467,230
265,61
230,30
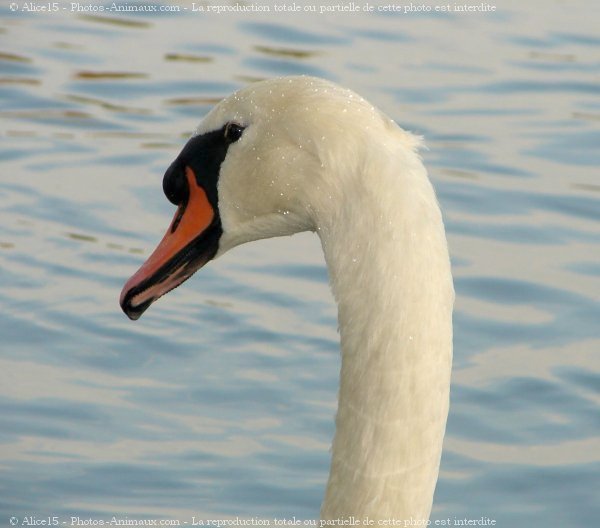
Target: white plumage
319,157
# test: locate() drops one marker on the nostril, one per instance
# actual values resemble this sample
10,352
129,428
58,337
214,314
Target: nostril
175,185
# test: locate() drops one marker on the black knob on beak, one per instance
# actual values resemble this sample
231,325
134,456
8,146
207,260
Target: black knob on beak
175,185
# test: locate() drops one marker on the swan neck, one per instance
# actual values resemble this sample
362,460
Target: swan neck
390,274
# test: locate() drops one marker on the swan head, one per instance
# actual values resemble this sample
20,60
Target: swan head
266,161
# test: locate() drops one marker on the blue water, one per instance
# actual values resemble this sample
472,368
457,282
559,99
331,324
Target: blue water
220,401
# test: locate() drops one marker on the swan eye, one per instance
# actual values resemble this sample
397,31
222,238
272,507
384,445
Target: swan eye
233,132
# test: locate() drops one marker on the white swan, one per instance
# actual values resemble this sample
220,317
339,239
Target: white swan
299,153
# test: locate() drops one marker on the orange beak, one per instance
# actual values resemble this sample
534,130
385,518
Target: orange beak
191,240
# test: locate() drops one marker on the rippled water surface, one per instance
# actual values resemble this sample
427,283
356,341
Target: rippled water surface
220,401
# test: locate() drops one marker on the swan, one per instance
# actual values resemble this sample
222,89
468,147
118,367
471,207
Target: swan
300,153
